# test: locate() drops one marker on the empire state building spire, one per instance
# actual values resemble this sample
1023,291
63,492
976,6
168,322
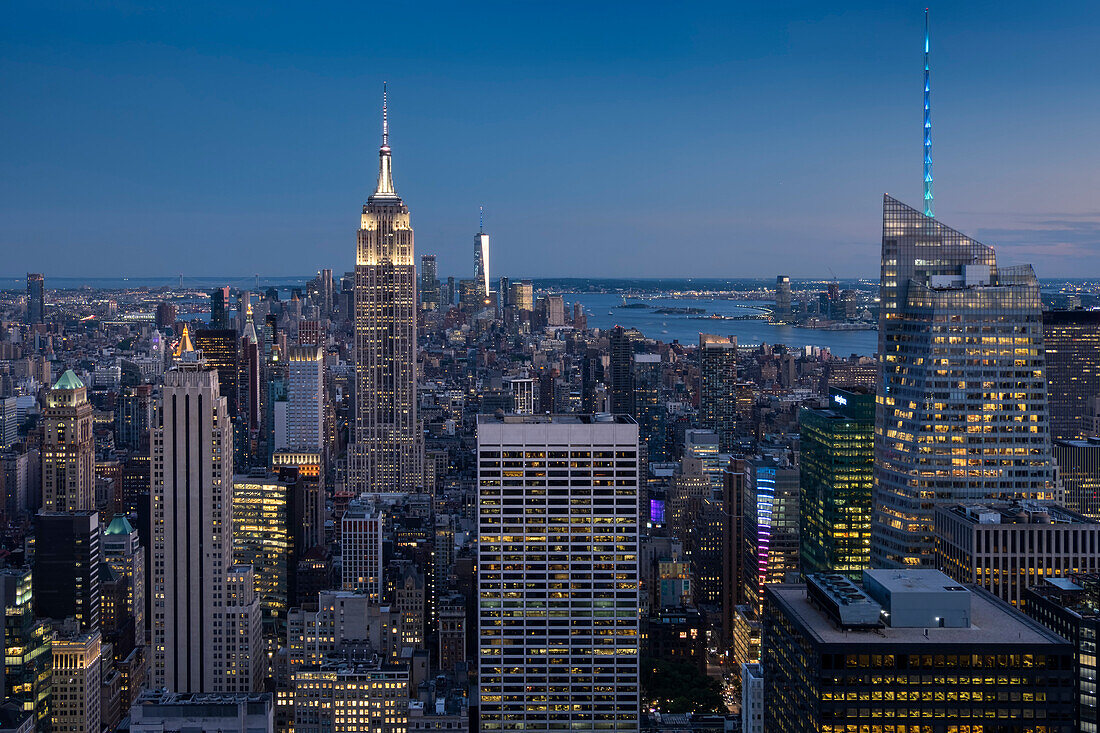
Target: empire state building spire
385,165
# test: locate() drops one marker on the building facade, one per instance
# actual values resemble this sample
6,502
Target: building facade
68,448
836,464
305,397
558,573
1078,464
1072,340
962,404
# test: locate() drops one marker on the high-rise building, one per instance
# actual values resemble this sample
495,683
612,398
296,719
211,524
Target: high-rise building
621,358
361,542
1070,607
1072,340
522,296
68,448
1005,548
783,299
648,409
733,544
481,262
387,452
717,391
263,540
576,540
76,683
836,462
770,527
429,281
221,350
26,646
9,421
219,309
303,472
1079,474
305,397
752,697
134,417
911,650
36,298
962,406
524,394
122,551
67,556
166,315
206,616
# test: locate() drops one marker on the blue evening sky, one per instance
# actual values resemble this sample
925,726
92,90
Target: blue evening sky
603,139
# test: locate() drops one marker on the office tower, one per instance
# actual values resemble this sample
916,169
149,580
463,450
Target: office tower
9,421
219,309
125,560
1079,474
429,281
481,261
361,541
622,370
717,377
134,417
770,527
733,543
76,683
347,696
469,296
908,648
68,448
339,622
249,368
450,293
1005,548
409,605
26,646
1070,607
783,312
220,350
387,452
67,554
36,298
580,320
648,410
522,296
576,667
160,711
263,540
947,428
1072,340
303,472
524,395
206,616
327,292
305,397
836,463
555,310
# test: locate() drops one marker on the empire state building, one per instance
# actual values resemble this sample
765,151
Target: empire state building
387,451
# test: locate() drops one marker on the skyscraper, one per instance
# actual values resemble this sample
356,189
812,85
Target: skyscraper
387,452
361,541
770,527
206,616
76,683
836,462
123,552
783,299
622,370
305,397
219,308
717,391
429,281
570,661
36,298
481,260
962,405
68,448
66,566
1072,341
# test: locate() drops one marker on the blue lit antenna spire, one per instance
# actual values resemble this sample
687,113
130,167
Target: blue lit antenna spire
927,127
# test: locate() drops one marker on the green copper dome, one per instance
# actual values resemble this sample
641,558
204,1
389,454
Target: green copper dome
68,380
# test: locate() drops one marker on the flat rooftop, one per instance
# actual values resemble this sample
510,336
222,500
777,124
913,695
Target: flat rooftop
567,419
991,622
1023,512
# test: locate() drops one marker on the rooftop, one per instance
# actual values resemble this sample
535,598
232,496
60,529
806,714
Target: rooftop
599,417
68,380
1022,512
992,622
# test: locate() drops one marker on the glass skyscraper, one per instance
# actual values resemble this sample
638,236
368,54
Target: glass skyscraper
962,404
1072,341
836,464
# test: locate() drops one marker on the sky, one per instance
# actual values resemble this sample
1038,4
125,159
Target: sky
603,139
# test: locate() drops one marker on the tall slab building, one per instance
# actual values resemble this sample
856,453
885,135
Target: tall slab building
961,408
387,451
206,615
68,448
558,572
